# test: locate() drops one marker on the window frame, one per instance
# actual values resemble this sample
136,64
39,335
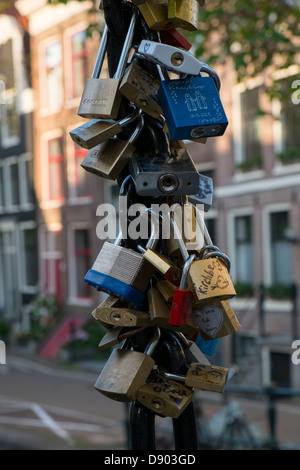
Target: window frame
73,297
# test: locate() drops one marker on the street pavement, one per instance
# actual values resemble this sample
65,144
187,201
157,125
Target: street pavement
47,405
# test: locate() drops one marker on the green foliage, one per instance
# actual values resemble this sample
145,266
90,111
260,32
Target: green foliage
291,155
87,346
44,311
254,35
4,328
244,289
251,164
279,291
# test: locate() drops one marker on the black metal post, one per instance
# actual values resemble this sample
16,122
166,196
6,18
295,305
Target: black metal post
142,427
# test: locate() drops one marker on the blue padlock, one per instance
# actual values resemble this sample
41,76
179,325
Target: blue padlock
192,108
208,346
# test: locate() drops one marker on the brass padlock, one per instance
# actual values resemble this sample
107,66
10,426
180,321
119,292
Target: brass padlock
109,158
210,279
215,319
95,131
110,302
116,335
126,371
160,313
156,16
167,289
141,88
120,316
165,397
203,377
161,263
101,97
184,14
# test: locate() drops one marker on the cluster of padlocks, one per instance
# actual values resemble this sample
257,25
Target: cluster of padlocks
167,296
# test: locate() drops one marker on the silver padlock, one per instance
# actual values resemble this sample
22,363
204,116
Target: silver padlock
96,131
101,97
122,271
110,157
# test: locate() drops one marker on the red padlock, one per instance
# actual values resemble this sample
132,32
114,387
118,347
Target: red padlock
175,38
183,298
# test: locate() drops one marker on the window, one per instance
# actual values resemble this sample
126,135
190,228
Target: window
55,173
9,121
53,97
243,249
29,257
79,63
289,116
78,178
280,248
249,102
51,262
280,374
9,271
82,262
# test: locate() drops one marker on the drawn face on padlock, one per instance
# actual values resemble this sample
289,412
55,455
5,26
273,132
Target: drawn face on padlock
101,97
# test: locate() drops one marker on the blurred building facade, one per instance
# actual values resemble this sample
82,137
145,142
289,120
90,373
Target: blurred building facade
256,175
18,227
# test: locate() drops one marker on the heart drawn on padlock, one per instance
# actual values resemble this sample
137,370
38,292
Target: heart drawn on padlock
209,319
146,46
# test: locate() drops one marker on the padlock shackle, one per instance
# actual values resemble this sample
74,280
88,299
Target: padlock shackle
222,256
137,131
127,44
131,117
154,235
171,375
207,248
179,240
185,272
101,53
153,342
212,73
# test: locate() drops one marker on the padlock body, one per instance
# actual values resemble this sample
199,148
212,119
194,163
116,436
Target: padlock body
156,16
205,193
101,98
162,264
206,377
108,158
160,176
192,108
164,396
123,374
184,13
141,88
181,307
120,316
210,280
94,132
215,319
117,270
